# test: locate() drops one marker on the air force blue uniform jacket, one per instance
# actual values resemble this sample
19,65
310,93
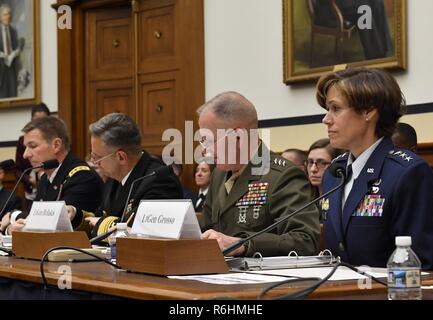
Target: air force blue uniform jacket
392,196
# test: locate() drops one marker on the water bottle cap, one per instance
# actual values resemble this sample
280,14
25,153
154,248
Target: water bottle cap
121,226
403,241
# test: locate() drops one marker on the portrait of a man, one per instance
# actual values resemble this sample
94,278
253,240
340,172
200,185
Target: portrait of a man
322,34
18,69
10,48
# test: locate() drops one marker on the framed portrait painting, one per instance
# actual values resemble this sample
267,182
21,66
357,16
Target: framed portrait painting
19,53
322,36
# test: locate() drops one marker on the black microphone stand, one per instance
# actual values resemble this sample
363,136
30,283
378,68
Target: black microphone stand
239,243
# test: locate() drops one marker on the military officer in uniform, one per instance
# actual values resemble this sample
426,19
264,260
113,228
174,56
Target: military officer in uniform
388,191
117,152
252,187
73,181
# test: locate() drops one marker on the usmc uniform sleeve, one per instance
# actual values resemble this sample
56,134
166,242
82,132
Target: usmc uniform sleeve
301,233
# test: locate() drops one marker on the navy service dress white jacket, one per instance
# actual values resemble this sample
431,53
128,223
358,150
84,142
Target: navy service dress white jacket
392,196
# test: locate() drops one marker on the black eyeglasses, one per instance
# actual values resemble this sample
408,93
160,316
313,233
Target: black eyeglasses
320,163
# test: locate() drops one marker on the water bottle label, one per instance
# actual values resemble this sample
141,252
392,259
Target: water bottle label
404,279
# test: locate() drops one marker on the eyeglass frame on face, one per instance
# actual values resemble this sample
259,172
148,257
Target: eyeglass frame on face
202,143
320,163
96,162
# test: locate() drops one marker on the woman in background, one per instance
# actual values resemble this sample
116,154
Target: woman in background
203,172
319,158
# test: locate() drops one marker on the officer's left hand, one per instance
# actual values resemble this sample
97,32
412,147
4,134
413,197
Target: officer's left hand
223,241
71,212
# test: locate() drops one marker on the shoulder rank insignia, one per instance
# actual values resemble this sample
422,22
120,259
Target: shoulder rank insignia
340,156
78,169
280,162
401,154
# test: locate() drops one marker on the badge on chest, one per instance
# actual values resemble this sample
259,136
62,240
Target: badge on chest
256,197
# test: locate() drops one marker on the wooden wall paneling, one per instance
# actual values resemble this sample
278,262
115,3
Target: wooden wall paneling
158,107
157,38
158,59
425,150
109,43
190,31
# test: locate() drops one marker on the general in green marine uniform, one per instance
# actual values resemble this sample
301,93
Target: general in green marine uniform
245,198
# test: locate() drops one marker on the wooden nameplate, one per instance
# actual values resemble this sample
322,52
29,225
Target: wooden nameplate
34,244
170,257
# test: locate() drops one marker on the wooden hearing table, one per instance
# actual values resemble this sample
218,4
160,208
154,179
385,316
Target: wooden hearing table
100,278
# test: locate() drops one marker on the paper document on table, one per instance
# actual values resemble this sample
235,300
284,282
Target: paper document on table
342,273
232,278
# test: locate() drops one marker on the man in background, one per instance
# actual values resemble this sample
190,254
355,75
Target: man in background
297,156
14,202
405,137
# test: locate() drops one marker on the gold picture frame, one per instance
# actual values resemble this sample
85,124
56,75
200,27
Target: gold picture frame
20,59
338,41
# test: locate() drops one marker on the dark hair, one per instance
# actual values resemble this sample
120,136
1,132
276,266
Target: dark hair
325,144
41,107
407,138
51,127
365,89
118,130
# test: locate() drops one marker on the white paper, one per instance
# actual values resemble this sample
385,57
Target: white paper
342,273
232,278
171,219
48,216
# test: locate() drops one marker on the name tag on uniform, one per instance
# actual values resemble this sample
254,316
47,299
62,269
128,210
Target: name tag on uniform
370,206
171,219
48,216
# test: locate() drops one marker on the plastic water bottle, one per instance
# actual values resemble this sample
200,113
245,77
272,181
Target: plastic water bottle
404,272
120,233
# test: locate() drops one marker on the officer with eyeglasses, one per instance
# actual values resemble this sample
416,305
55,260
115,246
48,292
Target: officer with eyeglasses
252,187
319,158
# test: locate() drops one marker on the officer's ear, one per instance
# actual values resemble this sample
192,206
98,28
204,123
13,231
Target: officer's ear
371,114
57,144
121,155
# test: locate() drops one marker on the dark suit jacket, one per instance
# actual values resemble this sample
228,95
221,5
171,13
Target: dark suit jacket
376,41
5,74
77,185
391,197
14,202
194,199
115,195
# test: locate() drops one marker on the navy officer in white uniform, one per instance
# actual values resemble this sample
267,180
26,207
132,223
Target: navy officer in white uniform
388,191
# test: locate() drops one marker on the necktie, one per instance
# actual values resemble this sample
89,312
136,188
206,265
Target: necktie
231,181
200,200
349,172
8,41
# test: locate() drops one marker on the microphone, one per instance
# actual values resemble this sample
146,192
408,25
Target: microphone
7,164
158,172
336,169
49,164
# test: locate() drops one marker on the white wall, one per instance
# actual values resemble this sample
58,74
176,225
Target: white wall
13,120
244,53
